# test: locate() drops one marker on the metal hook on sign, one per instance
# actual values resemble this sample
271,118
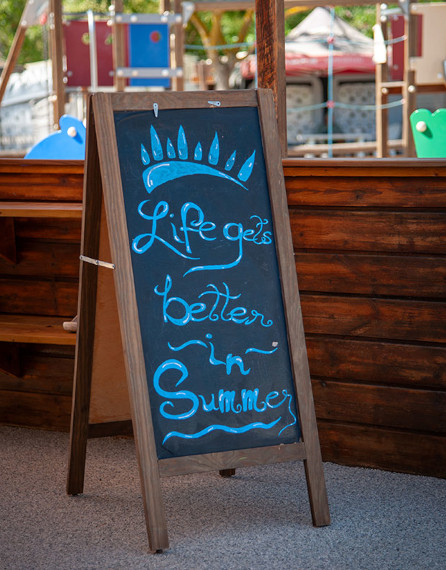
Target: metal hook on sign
216,103
155,109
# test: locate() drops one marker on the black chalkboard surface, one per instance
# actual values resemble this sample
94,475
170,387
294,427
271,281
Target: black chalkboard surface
189,194
206,277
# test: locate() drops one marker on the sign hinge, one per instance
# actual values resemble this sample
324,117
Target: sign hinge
97,262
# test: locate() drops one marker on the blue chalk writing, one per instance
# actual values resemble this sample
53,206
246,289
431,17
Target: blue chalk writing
193,222
217,427
159,213
230,361
179,312
172,364
162,172
224,401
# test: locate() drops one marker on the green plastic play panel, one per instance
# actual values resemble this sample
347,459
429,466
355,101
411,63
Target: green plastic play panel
429,133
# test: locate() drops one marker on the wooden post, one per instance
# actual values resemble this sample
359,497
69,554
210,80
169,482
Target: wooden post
178,56
118,48
202,73
409,89
177,45
381,96
56,36
12,57
270,33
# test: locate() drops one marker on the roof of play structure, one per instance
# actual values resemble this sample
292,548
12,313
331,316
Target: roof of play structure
307,47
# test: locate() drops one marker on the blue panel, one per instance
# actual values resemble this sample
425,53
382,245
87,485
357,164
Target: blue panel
149,47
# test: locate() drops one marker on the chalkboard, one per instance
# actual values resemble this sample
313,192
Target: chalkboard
206,277
191,194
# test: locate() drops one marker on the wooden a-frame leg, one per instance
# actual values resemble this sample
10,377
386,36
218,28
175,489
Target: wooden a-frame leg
82,383
227,472
88,280
317,490
78,439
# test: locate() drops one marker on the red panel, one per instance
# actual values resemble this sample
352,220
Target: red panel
396,66
77,51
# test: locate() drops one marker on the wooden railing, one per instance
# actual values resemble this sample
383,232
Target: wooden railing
371,263
40,223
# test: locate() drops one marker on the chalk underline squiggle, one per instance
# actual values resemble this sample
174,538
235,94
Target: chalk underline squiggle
201,343
188,343
219,427
261,351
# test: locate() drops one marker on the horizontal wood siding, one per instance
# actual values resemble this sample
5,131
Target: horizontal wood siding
36,379
38,296
370,258
373,275
32,409
37,180
370,252
44,369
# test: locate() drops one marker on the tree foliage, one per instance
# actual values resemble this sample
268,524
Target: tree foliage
217,31
33,48
361,17
102,6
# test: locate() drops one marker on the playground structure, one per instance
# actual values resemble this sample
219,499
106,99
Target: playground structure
420,67
421,72
309,58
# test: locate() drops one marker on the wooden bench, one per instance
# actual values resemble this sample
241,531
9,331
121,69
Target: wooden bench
65,210
34,329
40,223
11,210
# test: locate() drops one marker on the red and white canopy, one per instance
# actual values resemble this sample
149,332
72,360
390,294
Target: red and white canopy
307,48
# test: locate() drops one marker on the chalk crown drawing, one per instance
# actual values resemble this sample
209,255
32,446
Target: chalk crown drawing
174,162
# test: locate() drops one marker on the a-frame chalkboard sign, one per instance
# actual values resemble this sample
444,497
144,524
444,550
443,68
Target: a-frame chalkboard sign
191,190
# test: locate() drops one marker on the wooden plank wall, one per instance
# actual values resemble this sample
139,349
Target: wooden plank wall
370,247
370,255
43,282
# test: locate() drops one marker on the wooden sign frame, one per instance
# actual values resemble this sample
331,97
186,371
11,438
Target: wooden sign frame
103,192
